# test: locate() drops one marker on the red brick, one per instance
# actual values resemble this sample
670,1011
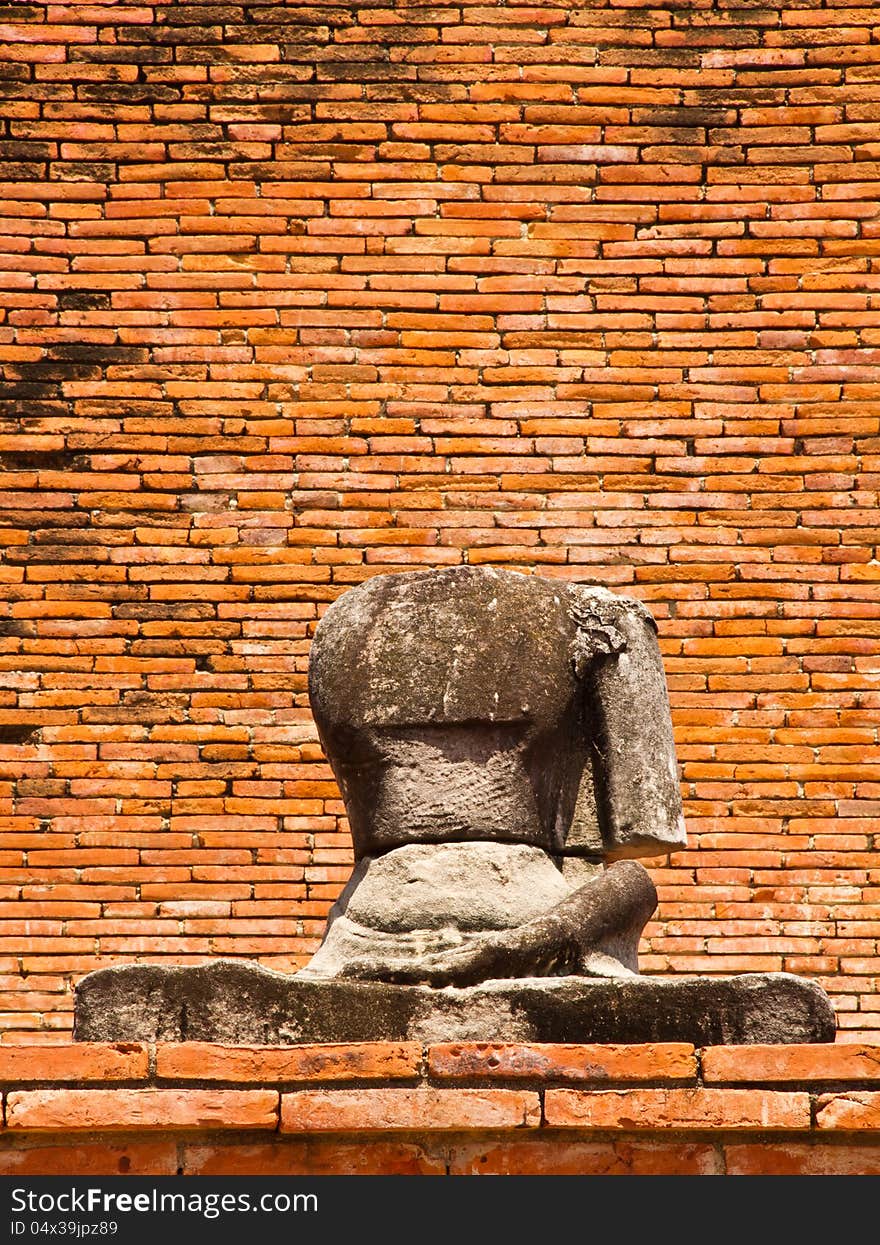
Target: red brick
856,1062
94,1061
861,1158
672,1061
550,1154
363,1061
847,1111
314,1156
681,1109
421,1110
62,1157
76,1109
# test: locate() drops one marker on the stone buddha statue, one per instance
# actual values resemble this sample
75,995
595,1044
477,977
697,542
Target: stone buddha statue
504,748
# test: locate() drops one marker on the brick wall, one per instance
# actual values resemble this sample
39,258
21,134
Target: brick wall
457,1109
298,293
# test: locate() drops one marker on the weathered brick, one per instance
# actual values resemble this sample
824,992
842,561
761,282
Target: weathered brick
315,1156
855,1062
847,1111
95,1061
420,1110
767,1158
364,1061
549,1154
62,1157
673,1061
79,1109
635,1109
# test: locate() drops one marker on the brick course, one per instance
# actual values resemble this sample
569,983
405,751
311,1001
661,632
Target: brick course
293,295
564,1109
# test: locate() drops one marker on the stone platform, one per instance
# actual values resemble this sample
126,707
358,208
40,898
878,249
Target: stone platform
242,1003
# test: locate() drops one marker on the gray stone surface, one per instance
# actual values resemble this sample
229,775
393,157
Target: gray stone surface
479,886
470,704
242,1003
420,924
485,727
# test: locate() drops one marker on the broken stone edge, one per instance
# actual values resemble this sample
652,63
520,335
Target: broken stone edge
241,1003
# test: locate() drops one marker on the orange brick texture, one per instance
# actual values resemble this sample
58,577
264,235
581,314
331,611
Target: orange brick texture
296,293
459,1108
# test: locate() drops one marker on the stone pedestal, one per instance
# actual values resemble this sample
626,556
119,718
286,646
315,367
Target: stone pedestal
243,1003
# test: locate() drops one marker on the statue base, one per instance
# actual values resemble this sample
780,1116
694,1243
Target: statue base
236,1002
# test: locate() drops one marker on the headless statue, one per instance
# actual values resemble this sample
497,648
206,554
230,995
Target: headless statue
504,748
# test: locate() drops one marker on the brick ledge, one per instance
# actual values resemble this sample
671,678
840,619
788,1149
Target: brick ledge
400,1106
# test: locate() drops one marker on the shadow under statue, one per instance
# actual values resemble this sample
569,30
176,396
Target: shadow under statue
504,748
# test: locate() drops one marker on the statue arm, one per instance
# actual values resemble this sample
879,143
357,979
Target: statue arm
630,725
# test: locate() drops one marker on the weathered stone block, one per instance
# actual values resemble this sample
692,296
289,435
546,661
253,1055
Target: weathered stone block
245,1004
